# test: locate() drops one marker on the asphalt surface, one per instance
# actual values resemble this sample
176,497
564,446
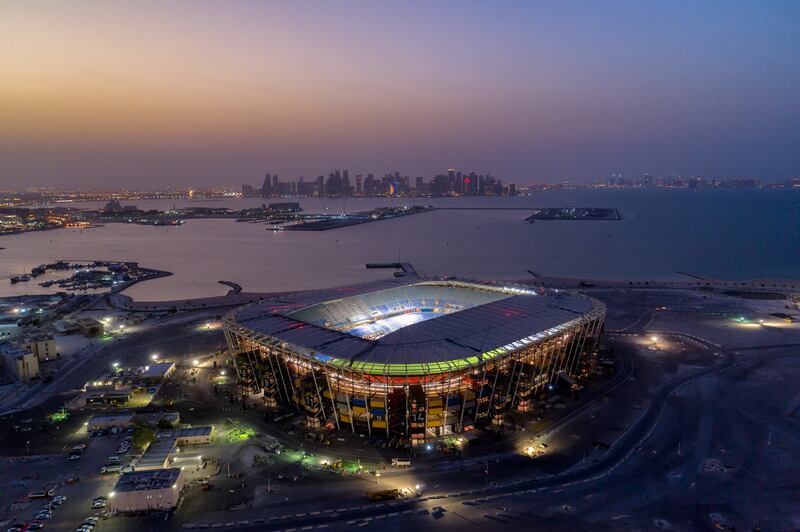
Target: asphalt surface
681,394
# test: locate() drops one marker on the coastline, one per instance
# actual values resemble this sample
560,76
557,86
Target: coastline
237,297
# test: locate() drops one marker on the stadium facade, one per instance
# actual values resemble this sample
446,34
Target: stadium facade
413,358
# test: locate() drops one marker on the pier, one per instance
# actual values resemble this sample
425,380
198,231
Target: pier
406,269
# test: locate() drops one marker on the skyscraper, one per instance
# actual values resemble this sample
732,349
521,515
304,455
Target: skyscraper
266,188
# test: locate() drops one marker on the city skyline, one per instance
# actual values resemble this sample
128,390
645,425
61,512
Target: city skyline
314,265
197,94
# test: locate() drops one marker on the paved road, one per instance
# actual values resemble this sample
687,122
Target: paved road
616,456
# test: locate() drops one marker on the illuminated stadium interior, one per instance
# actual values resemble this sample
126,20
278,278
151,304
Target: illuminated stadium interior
377,314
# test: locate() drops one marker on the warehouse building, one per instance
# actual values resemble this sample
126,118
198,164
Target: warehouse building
110,421
139,491
20,364
158,372
162,452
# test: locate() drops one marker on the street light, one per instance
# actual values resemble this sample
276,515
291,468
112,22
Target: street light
654,339
154,356
195,362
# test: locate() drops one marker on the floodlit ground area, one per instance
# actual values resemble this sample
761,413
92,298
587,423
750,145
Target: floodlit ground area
695,427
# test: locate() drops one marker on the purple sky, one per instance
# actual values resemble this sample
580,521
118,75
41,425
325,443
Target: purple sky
148,93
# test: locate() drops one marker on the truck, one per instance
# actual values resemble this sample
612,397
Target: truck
386,495
47,491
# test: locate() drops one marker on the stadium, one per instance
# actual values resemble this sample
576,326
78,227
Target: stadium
413,358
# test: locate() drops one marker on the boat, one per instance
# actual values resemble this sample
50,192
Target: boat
20,279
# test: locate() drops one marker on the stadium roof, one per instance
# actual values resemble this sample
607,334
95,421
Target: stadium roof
490,321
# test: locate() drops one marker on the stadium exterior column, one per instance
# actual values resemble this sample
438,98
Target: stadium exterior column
480,396
276,368
588,331
252,360
408,428
425,390
574,340
270,353
591,327
350,410
446,409
598,326
519,377
491,395
333,397
367,410
463,393
319,395
552,358
567,347
386,406
289,375
233,348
